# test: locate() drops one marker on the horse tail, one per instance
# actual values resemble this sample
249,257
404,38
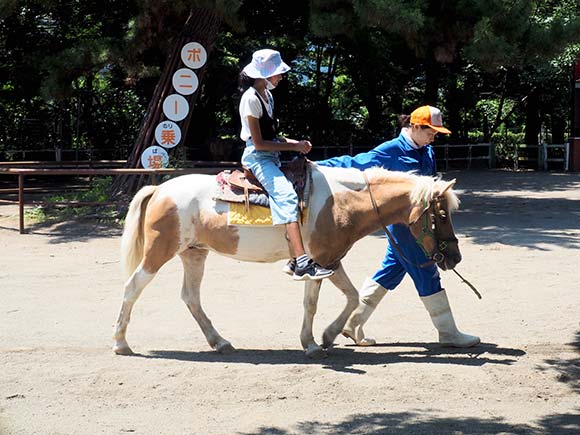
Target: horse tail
132,240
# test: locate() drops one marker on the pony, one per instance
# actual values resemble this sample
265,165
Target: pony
181,217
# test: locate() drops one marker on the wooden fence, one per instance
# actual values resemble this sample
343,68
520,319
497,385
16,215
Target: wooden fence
467,154
155,175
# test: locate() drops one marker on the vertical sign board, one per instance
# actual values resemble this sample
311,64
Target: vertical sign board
574,163
175,107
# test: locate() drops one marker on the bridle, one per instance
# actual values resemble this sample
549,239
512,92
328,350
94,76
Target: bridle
429,228
432,213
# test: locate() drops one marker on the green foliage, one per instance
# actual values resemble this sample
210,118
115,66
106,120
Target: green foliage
79,75
490,107
36,215
347,110
346,17
525,32
505,143
97,193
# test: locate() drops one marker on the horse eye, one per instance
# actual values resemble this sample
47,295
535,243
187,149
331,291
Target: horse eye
442,214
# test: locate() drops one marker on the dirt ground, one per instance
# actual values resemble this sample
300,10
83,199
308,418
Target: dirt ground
61,288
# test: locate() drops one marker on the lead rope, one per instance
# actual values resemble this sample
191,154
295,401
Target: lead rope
468,283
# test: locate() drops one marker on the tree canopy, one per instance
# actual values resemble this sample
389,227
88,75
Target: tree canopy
79,75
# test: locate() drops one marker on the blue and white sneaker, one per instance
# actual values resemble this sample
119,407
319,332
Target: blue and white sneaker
312,271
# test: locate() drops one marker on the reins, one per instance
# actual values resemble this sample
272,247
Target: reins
435,258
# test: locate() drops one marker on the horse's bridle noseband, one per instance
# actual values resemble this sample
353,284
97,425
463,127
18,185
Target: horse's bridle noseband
429,228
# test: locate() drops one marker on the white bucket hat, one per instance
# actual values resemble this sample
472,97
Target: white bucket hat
265,63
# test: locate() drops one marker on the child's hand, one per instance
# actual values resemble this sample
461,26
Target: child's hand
303,146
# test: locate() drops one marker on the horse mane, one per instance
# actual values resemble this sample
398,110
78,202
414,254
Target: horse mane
350,178
423,189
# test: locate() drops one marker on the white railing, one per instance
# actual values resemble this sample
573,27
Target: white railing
542,154
565,159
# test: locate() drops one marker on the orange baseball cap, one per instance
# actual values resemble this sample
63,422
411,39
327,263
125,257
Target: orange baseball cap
431,116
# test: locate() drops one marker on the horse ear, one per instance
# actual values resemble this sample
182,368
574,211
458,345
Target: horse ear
415,214
448,186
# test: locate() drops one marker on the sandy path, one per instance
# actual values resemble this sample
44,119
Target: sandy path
60,290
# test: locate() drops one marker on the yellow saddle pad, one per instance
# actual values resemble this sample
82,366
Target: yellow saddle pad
257,215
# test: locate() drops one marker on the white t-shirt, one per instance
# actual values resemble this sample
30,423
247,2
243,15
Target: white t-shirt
250,106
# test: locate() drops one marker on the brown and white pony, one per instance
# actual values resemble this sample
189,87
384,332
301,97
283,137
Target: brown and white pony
180,217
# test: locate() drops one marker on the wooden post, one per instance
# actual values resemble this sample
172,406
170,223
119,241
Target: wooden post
21,202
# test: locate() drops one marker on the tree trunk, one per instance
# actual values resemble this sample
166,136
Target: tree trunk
558,128
432,81
202,26
485,128
453,107
532,118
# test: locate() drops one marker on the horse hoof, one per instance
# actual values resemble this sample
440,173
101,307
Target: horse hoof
328,346
225,348
122,350
327,343
366,342
315,352
349,334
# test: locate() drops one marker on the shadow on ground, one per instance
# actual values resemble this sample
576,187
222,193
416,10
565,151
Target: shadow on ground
569,369
523,222
351,361
502,181
489,215
417,423
70,231
76,231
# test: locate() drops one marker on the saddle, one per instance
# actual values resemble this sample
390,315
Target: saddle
245,181
241,186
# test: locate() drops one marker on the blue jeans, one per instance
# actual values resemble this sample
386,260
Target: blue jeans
265,165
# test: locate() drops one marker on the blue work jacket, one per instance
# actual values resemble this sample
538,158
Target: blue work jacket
394,155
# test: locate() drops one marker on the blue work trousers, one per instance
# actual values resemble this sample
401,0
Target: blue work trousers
393,268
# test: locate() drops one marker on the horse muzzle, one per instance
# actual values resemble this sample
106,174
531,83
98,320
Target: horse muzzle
447,262
447,256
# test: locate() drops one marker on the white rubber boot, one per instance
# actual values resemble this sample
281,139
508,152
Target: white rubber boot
370,295
438,307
